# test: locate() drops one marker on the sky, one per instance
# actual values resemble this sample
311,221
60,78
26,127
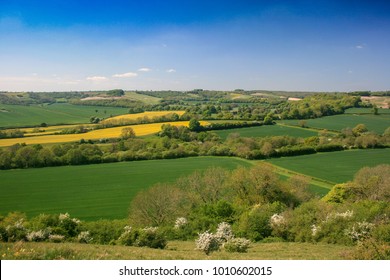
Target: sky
182,45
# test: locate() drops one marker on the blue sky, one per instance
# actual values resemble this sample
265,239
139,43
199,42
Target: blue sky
180,45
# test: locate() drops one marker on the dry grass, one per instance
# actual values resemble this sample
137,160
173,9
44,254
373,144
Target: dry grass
176,250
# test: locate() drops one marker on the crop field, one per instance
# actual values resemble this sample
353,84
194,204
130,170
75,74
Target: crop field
114,132
143,115
91,192
268,130
334,167
376,123
22,116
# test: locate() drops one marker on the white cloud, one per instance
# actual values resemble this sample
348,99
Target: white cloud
144,69
126,75
171,70
96,78
359,46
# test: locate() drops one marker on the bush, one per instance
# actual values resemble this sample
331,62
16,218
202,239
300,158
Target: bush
239,245
84,237
37,236
207,242
128,237
152,238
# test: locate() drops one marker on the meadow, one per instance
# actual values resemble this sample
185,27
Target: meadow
92,192
268,130
176,250
334,167
58,113
376,123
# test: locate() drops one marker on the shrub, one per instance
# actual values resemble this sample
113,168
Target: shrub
56,238
224,232
37,236
360,231
180,223
16,232
152,238
128,237
207,242
239,245
84,237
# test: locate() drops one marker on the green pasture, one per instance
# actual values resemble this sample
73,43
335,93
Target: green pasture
369,111
58,113
91,192
334,167
267,130
376,123
143,97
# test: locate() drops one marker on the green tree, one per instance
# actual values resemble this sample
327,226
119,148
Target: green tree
194,125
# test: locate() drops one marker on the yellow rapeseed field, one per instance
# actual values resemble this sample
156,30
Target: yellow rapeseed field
114,132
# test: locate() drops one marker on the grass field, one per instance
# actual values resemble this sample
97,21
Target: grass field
377,123
145,114
142,97
22,116
114,132
176,250
267,130
91,192
334,167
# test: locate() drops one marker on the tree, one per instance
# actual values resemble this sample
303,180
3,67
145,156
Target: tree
194,125
157,205
127,133
359,129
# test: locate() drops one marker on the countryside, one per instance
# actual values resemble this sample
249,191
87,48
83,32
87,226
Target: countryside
220,174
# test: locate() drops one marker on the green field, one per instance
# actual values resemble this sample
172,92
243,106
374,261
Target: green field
267,130
143,97
367,111
335,167
91,192
59,113
376,123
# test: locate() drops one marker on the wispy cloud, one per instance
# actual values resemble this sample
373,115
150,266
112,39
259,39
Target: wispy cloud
171,70
144,69
359,46
96,78
126,75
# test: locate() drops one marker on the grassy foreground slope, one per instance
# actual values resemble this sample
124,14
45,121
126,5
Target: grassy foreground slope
91,192
176,250
335,167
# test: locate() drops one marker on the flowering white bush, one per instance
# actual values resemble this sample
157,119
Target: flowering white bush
126,237
277,219
56,238
207,242
239,245
84,237
224,232
62,217
180,223
37,236
16,231
345,215
360,231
